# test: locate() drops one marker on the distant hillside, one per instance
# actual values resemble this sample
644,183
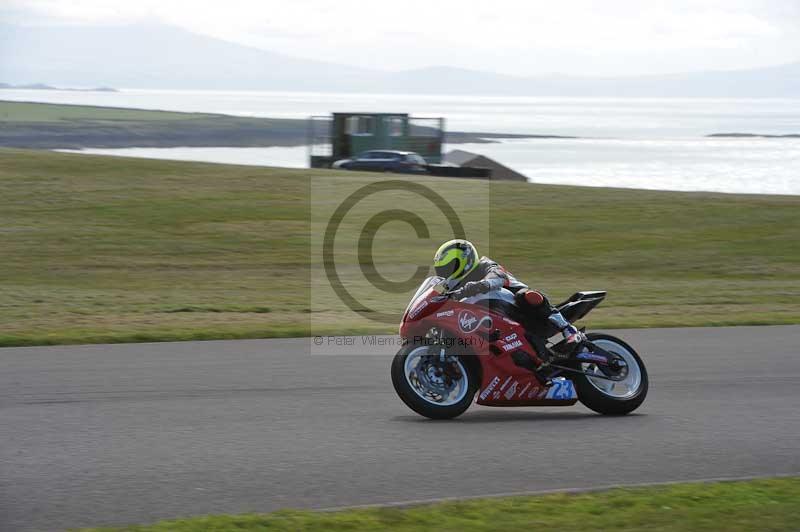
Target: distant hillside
779,81
156,56
159,56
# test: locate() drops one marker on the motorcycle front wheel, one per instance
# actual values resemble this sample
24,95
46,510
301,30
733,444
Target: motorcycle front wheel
613,397
431,387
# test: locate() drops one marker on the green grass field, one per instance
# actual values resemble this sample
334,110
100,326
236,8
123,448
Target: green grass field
758,506
105,249
54,113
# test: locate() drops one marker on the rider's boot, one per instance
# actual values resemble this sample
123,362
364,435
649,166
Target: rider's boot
573,338
536,305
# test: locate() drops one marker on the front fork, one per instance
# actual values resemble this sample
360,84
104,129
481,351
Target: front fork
435,335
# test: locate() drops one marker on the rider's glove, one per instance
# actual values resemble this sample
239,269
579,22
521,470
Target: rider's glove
472,288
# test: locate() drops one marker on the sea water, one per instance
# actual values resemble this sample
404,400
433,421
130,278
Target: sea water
654,143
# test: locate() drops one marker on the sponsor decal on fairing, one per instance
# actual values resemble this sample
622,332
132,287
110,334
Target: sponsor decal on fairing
445,313
541,393
523,390
513,345
485,393
468,322
512,390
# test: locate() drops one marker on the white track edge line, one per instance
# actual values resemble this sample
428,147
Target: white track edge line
605,487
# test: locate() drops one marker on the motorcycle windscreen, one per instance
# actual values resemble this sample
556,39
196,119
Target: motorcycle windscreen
426,285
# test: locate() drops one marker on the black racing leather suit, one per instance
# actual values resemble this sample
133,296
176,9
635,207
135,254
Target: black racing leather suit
535,307
496,277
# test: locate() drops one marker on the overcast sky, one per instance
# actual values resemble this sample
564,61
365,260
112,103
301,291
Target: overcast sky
522,37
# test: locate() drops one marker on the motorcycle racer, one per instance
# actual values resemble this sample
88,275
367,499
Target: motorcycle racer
468,275
485,349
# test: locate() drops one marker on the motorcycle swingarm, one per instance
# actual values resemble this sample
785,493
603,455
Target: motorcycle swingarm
596,354
581,372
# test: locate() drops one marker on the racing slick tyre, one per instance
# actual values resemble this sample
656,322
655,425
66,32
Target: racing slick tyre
614,398
430,387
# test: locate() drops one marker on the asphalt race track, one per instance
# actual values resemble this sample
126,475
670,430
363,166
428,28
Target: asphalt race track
115,434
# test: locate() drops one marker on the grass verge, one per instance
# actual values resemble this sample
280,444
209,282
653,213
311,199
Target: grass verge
758,505
107,249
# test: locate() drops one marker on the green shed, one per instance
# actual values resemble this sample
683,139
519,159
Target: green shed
343,135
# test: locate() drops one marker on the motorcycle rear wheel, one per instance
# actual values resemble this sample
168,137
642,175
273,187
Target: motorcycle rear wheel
601,395
419,380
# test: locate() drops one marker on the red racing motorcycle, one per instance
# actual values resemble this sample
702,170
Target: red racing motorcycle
454,350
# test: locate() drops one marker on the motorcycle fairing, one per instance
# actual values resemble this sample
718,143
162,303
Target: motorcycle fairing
492,338
503,383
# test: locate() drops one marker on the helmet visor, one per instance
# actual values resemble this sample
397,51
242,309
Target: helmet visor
446,270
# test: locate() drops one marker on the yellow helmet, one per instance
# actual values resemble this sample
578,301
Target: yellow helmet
455,259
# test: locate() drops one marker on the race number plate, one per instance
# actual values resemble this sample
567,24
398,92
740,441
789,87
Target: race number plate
562,390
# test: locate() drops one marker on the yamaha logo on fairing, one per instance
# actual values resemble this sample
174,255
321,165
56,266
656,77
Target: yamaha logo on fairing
468,322
512,345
